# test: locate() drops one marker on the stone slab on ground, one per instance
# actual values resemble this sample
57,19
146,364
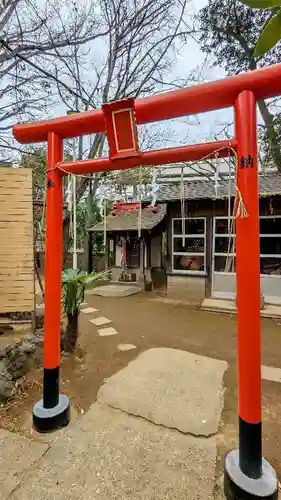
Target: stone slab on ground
107,332
109,455
126,347
100,321
17,455
170,387
229,306
270,373
114,290
88,310
175,302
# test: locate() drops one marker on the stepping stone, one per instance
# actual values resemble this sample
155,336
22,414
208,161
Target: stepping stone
108,454
115,290
126,347
106,332
83,304
271,374
100,321
172,388
89,310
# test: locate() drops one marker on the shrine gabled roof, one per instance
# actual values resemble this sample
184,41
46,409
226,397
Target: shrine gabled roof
269,185
129,220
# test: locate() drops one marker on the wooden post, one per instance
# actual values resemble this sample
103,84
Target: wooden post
106,252
89,244
142,263
248,289
247,474
52,412
114,250
209,256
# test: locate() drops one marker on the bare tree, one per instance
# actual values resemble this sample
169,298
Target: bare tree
33,34
135,58
79,55
228,32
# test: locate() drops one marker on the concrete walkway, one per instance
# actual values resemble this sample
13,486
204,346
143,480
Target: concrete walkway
114,290
157,442
229,307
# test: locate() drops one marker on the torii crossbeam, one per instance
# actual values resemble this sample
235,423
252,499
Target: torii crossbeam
247,474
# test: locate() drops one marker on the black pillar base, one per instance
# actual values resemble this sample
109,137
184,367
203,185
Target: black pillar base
51,419
238,486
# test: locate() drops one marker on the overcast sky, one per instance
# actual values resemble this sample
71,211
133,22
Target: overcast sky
206,125
191,129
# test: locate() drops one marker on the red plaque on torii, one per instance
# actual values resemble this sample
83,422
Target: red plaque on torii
121,129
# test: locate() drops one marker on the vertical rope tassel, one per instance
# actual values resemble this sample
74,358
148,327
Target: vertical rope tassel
182,208
139,220
217,174
140,208
104,221
241,210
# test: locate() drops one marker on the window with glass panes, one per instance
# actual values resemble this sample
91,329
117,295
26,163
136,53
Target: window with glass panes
224,254
189,245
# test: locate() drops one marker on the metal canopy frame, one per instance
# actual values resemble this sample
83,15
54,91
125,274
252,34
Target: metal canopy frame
240,92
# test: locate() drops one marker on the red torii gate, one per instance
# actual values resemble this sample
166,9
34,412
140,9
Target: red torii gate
247,474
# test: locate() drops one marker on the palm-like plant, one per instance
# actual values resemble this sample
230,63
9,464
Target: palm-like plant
74,284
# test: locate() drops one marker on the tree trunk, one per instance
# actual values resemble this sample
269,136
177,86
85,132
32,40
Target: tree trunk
268,118
273,142
71,332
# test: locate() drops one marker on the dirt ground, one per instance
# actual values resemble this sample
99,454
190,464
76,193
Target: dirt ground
148,323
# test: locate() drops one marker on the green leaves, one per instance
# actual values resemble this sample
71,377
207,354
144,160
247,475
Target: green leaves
261,4
270,35
89,278
69,275
74,283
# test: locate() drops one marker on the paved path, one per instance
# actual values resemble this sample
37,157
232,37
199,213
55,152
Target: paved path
268,373
110,453
151,435
172,388
17,455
